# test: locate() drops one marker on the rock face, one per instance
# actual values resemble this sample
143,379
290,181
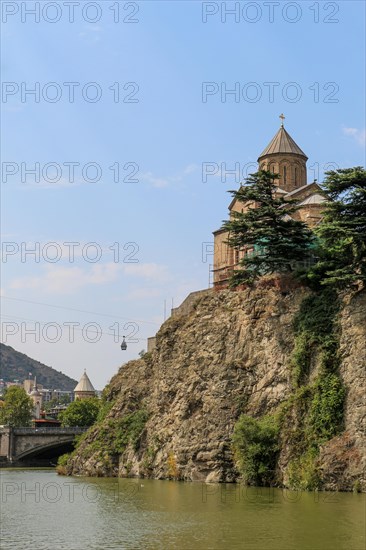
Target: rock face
343,458
229,355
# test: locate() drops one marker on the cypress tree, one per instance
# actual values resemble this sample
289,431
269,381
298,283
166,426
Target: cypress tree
342,232
278,241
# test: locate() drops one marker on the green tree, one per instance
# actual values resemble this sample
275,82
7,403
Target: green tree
17,409
278,241
342,233
256,446
82,412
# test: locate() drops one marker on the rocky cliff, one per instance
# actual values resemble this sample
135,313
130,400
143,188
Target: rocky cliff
172,414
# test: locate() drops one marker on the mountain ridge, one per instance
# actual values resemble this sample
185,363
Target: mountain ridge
15,365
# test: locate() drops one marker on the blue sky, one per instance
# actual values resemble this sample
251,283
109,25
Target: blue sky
175,62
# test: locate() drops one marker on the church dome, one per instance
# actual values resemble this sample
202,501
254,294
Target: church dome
280,144
284,157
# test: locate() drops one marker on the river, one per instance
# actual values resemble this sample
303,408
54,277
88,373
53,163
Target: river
43,511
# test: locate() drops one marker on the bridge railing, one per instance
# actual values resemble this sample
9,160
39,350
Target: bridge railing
30,431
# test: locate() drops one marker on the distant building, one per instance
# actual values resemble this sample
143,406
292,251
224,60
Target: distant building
47,394
45,422
55,411
29,384
84,388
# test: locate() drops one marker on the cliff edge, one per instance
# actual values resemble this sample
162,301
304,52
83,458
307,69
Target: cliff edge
172,413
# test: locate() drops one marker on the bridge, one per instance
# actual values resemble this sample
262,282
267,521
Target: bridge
36,445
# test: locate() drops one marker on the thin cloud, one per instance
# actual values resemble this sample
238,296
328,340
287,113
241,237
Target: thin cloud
152,272
91,33
143,293
160,182
67,280
358,135
149,178
191,168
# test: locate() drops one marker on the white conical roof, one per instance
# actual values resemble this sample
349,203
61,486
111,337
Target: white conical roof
84,384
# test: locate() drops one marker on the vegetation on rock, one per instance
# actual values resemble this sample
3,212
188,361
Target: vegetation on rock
256,446
312,415
107,440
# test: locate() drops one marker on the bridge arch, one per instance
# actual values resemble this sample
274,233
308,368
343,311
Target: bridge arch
40,446
48,450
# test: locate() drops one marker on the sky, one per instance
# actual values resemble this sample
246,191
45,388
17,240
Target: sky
124,126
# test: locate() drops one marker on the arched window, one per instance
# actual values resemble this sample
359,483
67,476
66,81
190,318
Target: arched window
295,175
284,174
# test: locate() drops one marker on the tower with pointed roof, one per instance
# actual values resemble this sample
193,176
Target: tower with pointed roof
36,397
284,157
84,388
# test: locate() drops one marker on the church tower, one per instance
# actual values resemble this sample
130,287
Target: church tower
84,388
36,397
284,157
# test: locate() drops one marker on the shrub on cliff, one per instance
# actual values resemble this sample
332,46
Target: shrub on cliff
314,412
255,443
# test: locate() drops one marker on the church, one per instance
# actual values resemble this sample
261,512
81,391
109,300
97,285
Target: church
284,157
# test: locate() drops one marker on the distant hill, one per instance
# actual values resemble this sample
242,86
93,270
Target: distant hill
17,366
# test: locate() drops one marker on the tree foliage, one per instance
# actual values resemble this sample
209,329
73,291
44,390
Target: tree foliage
256,447
82,412
17,410
342,232
279,241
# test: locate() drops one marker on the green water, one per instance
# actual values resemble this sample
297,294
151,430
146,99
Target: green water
41,510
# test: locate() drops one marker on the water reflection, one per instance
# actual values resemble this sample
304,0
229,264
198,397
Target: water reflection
42,510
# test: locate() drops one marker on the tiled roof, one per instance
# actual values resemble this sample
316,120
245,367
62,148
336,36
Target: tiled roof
313,199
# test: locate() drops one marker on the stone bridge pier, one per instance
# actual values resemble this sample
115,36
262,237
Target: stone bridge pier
34,445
